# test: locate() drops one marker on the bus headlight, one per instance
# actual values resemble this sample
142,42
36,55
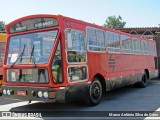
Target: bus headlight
45,94
40,94
8,92
4,92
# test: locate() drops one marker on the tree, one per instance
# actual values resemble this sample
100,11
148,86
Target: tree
2,26
114,22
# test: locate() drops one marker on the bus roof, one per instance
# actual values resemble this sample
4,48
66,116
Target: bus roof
73,20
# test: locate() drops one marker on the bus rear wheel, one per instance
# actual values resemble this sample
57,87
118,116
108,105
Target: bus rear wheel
143,83
94,93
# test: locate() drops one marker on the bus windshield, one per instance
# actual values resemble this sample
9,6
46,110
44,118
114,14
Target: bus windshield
32,48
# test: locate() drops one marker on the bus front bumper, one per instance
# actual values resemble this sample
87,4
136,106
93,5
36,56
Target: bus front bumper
61,94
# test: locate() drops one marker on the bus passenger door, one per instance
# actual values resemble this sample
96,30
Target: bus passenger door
76,55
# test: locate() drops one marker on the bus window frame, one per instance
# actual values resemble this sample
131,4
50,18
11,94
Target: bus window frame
29,32
123,49
151,52
59,42
120,48
137,52
66,49
47,83
143,52
77,81
87,42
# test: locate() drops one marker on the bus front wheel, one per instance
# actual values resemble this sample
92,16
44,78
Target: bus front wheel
94,93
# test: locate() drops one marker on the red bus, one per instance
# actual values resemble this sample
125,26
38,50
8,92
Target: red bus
53,58
2,48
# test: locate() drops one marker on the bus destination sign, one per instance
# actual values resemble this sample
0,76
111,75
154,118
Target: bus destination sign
33,24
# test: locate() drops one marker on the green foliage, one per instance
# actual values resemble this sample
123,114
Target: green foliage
2,26
114,22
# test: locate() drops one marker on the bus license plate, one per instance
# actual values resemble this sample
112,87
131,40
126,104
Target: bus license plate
22,93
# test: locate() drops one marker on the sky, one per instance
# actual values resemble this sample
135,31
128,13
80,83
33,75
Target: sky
136,13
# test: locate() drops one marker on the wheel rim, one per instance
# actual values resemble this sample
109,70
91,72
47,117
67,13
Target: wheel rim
95,92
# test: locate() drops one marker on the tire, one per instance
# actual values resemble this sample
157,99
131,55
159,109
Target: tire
144,81
94,93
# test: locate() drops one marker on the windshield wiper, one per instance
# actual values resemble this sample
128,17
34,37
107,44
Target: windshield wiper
19,57
32,56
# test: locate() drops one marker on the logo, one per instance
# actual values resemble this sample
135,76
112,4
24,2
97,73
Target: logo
21,114
6,114
111,63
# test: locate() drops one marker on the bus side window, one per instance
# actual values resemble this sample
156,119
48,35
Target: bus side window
57,66
75,46
77,73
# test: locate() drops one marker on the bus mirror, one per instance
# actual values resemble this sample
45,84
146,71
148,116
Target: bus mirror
69,38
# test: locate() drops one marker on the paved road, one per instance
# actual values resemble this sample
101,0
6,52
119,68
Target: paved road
123,100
